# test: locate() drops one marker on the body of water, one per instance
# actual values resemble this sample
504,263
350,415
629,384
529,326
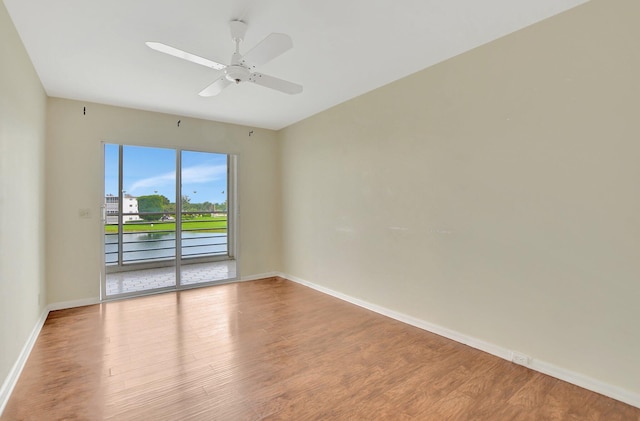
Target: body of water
140,247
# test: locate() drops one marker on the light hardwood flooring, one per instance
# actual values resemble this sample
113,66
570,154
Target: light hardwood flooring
273,349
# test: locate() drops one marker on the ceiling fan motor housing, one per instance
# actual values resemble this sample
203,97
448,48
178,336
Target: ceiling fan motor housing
237,73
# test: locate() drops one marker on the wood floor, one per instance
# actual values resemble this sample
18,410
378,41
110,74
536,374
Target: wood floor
273,349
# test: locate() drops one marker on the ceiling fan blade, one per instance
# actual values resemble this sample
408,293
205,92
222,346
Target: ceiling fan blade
216,87
163,48
267,49
275,83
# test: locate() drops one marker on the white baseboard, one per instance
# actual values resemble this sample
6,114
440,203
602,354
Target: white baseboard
71,304
568,376
260,276
14,374
606,389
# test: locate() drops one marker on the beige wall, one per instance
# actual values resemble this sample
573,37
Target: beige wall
496,194
75,180
22,134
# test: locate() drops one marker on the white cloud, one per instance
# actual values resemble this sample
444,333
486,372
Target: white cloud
191,175
154,182
203,174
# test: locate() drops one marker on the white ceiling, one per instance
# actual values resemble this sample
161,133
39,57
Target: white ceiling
94,50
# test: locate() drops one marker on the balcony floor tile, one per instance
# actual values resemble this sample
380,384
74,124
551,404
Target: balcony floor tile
143,280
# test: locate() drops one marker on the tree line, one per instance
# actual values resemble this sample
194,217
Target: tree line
150,204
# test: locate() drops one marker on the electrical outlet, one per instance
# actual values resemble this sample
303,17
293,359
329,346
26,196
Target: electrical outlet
520,359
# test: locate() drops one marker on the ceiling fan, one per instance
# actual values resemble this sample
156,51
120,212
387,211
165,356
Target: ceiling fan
242,67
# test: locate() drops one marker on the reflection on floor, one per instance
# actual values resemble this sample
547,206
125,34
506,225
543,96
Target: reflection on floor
142,280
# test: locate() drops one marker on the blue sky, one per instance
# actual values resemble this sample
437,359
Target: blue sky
152,171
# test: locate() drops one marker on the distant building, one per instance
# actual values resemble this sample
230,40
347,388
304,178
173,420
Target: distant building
129,206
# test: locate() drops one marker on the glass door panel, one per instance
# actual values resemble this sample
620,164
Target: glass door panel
204,211
140,219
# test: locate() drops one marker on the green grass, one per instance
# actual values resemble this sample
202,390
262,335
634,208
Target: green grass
214,224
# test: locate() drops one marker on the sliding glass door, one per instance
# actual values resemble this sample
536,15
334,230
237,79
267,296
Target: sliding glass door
166,219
